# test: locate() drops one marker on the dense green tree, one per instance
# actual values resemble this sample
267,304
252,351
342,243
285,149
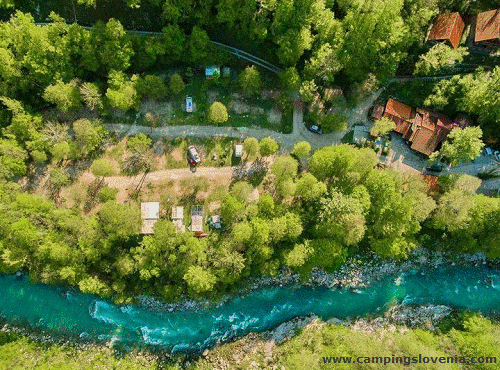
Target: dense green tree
113,45
290,79
151,86
340,218
328,254
59,179
343,164
439,59
12,159
93,285
231,210
382,126
174,40
309,188
307,90
284,168
462,145
120,221
176,84
285,228
199,279
266,205
323,65
375,40
217,113
88,134
66,97
122,93
198,45
268,146
241,191
249,80
60,151
106,194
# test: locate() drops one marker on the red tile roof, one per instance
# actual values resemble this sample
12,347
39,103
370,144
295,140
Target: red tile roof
398,109
447,26
487,26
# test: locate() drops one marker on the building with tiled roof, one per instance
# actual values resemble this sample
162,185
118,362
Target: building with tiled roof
401,114
423,129
487,30
448,28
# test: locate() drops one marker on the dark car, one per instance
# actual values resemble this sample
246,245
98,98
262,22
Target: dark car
193,156
316,129
434,168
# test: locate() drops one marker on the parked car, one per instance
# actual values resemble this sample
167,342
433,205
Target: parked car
193,156
487,151
434,168
316,129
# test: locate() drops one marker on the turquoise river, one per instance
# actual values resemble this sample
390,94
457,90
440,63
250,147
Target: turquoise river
74,314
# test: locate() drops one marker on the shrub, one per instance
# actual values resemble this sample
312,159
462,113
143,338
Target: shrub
176,84
106,193
102,167
217,113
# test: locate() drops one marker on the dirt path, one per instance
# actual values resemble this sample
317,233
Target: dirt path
130,182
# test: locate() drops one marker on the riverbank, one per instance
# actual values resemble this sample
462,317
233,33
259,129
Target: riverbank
367,295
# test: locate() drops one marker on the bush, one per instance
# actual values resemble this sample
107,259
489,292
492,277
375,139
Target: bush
217,113
38,156
139,143
176,84
250,81
106,193
102,167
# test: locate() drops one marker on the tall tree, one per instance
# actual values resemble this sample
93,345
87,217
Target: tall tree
461,145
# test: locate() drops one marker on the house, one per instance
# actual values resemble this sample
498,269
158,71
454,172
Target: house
428,131
423,129
178,218
212,71
447,28
487,30
150,213
401,114
196,219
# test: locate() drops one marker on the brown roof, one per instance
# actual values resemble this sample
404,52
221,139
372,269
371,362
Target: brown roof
488,25
377,112
447,26
398,109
